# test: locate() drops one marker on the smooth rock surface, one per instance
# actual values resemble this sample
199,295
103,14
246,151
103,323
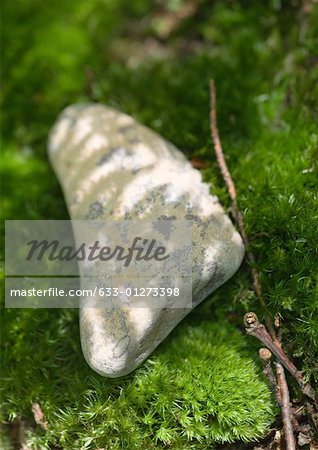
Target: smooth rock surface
113,168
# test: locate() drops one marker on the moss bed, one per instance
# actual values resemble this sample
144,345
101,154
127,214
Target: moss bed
204,385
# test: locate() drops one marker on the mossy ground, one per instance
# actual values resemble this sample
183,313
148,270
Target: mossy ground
203,385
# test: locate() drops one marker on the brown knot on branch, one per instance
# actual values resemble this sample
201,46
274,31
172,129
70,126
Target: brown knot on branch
251,322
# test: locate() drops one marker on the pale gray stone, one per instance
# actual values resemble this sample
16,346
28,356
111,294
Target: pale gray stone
112,168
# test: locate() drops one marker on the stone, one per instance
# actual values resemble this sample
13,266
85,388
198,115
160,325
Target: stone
113,168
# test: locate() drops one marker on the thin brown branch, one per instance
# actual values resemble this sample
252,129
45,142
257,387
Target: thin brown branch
265,357
233,195
286,409
218,149
289,420
258,330
272,340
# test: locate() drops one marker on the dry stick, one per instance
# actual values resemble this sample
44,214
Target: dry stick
237,214
281,395
250,257
265,357
286,409
271,341
258,330
289,420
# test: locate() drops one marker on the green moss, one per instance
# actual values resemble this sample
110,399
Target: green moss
202,385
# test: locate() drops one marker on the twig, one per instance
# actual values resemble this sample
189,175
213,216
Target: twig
219,152
258,330
286,409
236,213
253,327
265,357
289,420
